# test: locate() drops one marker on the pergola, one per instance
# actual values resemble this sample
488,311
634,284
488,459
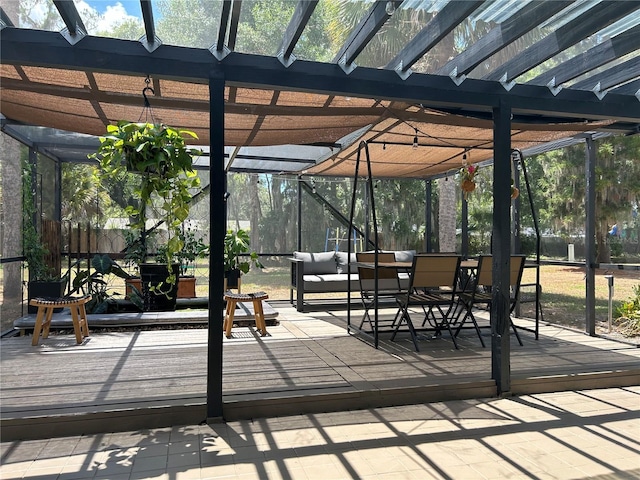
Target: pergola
278,114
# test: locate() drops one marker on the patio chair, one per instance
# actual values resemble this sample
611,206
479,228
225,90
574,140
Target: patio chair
479,295
388,284
432,287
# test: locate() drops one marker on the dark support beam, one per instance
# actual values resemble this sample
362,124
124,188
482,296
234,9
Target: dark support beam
588,23
428,211
522,22
296,26
299,212
4,18
501,250
217,220
233,26
595,57
439,27
224,24
464,247
359,38
590,236
99,54
617,75
71,17
147,18
631,88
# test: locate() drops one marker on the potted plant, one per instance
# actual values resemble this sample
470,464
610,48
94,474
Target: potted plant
159,154
193,247
238,258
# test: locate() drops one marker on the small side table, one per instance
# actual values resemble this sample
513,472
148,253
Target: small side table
232,300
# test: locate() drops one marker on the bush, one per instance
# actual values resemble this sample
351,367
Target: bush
628,315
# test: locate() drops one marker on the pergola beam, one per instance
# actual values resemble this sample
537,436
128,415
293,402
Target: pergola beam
224,23
4,18
233,25
369,25
296,26
70,17
49,49
616,75
147,18
439,27
588,23
505,33
595,57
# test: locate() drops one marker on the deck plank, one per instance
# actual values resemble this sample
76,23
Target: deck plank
304,355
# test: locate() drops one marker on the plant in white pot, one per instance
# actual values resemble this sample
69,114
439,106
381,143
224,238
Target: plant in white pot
160,155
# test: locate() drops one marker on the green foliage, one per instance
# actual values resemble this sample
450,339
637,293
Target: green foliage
95,284
237,245
160,155
192,247
628,314
33,249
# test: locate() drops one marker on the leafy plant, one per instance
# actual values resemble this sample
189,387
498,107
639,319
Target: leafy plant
137,248
160,155
95,284
192,247
628,314
237,245
33,249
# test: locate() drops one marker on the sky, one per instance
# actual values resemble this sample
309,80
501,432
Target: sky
113,11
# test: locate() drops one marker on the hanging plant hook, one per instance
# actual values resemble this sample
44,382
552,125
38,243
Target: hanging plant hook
147,105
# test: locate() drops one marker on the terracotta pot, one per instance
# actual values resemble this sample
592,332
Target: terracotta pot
187,287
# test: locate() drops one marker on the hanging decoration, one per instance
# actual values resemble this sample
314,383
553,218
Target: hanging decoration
467,177
515,192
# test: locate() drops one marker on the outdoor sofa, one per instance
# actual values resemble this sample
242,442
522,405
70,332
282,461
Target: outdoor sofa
329,272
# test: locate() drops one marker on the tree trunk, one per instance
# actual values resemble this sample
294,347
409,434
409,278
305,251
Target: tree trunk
447,215
11,208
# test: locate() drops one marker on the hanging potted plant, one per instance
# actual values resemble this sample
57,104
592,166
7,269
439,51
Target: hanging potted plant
467,179
238,257
159,154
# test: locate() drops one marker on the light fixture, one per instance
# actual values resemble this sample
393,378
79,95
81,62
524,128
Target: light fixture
313,186
415,139
384,145
390,8
225,196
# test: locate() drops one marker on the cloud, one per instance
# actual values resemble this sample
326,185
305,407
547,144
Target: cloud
112,16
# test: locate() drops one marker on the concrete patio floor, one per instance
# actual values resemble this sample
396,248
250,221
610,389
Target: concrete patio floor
567,435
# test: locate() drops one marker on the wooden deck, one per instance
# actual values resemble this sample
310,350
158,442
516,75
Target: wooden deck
144,379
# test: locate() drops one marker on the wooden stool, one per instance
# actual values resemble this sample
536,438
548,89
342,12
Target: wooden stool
45,311
233,299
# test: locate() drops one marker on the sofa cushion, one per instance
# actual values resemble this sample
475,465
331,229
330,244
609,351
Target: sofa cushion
401,255
404,255
317,263
343,264
337,282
